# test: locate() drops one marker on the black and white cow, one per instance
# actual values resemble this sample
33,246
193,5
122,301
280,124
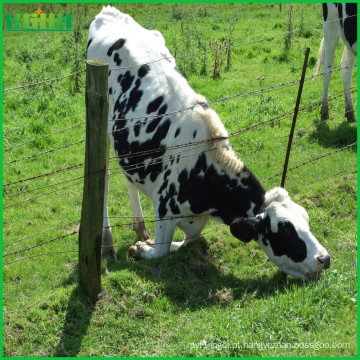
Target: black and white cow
340,20
170,157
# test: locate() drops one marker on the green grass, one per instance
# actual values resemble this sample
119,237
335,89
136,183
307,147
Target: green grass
217,296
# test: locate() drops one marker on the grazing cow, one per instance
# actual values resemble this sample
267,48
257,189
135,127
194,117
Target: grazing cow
340,20
182,160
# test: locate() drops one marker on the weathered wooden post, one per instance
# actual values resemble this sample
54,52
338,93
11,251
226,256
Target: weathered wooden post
97,108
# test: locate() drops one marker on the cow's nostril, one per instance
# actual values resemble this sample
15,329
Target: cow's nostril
324,261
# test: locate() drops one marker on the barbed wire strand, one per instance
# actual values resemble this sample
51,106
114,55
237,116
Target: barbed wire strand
41,188
180,56
42,232
41,244
44,81
310,160
116,158
226,47
44,137
224,99
55,172
308,183
38,255
45,194
44,152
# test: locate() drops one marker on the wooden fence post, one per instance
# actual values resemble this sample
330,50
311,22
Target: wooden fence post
90,233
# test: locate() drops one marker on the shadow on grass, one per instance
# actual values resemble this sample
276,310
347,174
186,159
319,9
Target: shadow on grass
190,278
342,135
77,320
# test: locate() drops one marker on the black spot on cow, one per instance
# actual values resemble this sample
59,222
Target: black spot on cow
170,200
118,44
232,201
177,132
325,11
340,14
89,43
194,134
137,128
286,241
126,81
117,59
140,158
109,73
135,96
143,71
155,104
154,123
110,90
350,23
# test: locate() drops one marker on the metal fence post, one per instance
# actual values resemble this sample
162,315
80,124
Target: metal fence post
294,117
90,233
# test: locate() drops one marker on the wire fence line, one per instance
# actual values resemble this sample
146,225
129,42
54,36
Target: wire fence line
152,117
299,131
223,48
44,194
310,160
44,152
342,172
39,255
42,232
44,137
40,244
149,219
55,172
303,108
43,82
139,154
230,97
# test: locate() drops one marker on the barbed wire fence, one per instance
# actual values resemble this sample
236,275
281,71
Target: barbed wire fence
182,150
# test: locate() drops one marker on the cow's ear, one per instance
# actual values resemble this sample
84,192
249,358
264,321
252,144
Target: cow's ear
246,229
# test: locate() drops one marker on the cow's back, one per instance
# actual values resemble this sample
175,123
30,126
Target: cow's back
144,84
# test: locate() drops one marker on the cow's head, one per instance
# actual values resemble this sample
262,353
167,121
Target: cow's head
282,231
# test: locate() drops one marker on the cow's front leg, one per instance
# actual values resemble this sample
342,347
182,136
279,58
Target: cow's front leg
150,250
138,218
192,228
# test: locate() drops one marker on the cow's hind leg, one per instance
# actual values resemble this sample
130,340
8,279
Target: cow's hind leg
107,239
138,218
347,64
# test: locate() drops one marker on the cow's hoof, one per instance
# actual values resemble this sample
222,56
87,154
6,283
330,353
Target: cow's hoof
351,118
150,243
109,254
134,251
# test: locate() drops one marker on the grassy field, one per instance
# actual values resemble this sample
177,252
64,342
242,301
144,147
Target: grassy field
217,296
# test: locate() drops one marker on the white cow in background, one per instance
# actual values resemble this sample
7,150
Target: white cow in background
340,20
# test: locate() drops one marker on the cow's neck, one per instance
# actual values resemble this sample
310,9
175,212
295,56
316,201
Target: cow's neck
222,186
241,196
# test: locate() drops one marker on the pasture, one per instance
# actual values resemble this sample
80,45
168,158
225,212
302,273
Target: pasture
217,296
